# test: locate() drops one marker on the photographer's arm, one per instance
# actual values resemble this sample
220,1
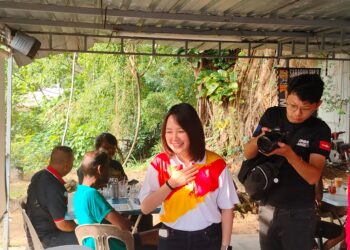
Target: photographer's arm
251,147
310,171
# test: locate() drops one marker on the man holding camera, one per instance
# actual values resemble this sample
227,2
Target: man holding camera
287,216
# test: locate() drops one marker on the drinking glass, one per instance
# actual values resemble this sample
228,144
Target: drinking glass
338,181
134,191
123,188
332,189
113,188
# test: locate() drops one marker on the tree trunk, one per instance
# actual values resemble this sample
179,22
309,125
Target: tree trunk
136,74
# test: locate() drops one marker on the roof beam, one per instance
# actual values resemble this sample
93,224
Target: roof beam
225,19
166,38
42,22
196,55
154,29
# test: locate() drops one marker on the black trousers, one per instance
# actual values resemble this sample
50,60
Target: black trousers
59,239
286,229
205,239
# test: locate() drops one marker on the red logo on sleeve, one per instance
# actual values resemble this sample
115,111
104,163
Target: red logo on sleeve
325,145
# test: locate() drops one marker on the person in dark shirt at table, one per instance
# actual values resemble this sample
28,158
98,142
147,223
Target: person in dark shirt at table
108,142
91,207
334,233
47,201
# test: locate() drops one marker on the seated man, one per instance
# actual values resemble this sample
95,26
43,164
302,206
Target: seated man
325,208
334,233
91,207
108,142
47,201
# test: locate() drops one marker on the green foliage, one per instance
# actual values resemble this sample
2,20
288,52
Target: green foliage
216,80
104,99
219,86
37,121
175,79
153,108
333,101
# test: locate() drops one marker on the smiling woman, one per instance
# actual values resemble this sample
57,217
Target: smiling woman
191,184
177,139
182,133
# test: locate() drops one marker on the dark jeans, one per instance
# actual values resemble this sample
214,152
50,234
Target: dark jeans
205,239
59,239
286,229
139,246
146,222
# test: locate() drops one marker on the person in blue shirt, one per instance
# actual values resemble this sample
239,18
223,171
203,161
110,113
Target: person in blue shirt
91,207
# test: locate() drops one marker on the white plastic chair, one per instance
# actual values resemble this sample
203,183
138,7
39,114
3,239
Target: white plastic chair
32,237
102,233
68,247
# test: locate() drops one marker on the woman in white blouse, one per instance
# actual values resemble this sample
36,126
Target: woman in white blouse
192,185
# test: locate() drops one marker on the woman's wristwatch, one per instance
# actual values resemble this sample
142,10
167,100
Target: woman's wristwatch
224,247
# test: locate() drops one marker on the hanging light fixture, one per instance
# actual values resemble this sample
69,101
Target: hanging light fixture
25,44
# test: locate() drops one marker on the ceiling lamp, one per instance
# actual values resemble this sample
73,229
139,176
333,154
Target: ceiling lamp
25,44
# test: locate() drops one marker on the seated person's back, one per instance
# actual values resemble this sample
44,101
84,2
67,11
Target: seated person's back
91,207
47,201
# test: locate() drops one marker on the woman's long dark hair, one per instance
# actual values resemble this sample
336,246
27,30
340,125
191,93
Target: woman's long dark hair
189,121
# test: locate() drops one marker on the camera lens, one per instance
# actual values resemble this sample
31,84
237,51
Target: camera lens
268,142
264,144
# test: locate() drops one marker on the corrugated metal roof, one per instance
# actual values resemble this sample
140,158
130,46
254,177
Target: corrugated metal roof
293,27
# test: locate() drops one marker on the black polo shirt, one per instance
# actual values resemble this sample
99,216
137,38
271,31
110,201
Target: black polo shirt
311,136
117,171
47,201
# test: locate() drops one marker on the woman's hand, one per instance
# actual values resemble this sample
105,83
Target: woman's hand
179,177
183,176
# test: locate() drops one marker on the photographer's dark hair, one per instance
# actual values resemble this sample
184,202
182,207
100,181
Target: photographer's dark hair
189,121
308,87
105,137
92,160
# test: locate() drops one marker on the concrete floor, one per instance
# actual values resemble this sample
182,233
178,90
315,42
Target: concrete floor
245,242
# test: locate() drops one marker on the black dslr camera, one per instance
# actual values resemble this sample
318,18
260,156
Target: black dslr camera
269,141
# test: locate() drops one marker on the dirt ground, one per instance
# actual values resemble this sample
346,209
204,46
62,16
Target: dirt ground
246,225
